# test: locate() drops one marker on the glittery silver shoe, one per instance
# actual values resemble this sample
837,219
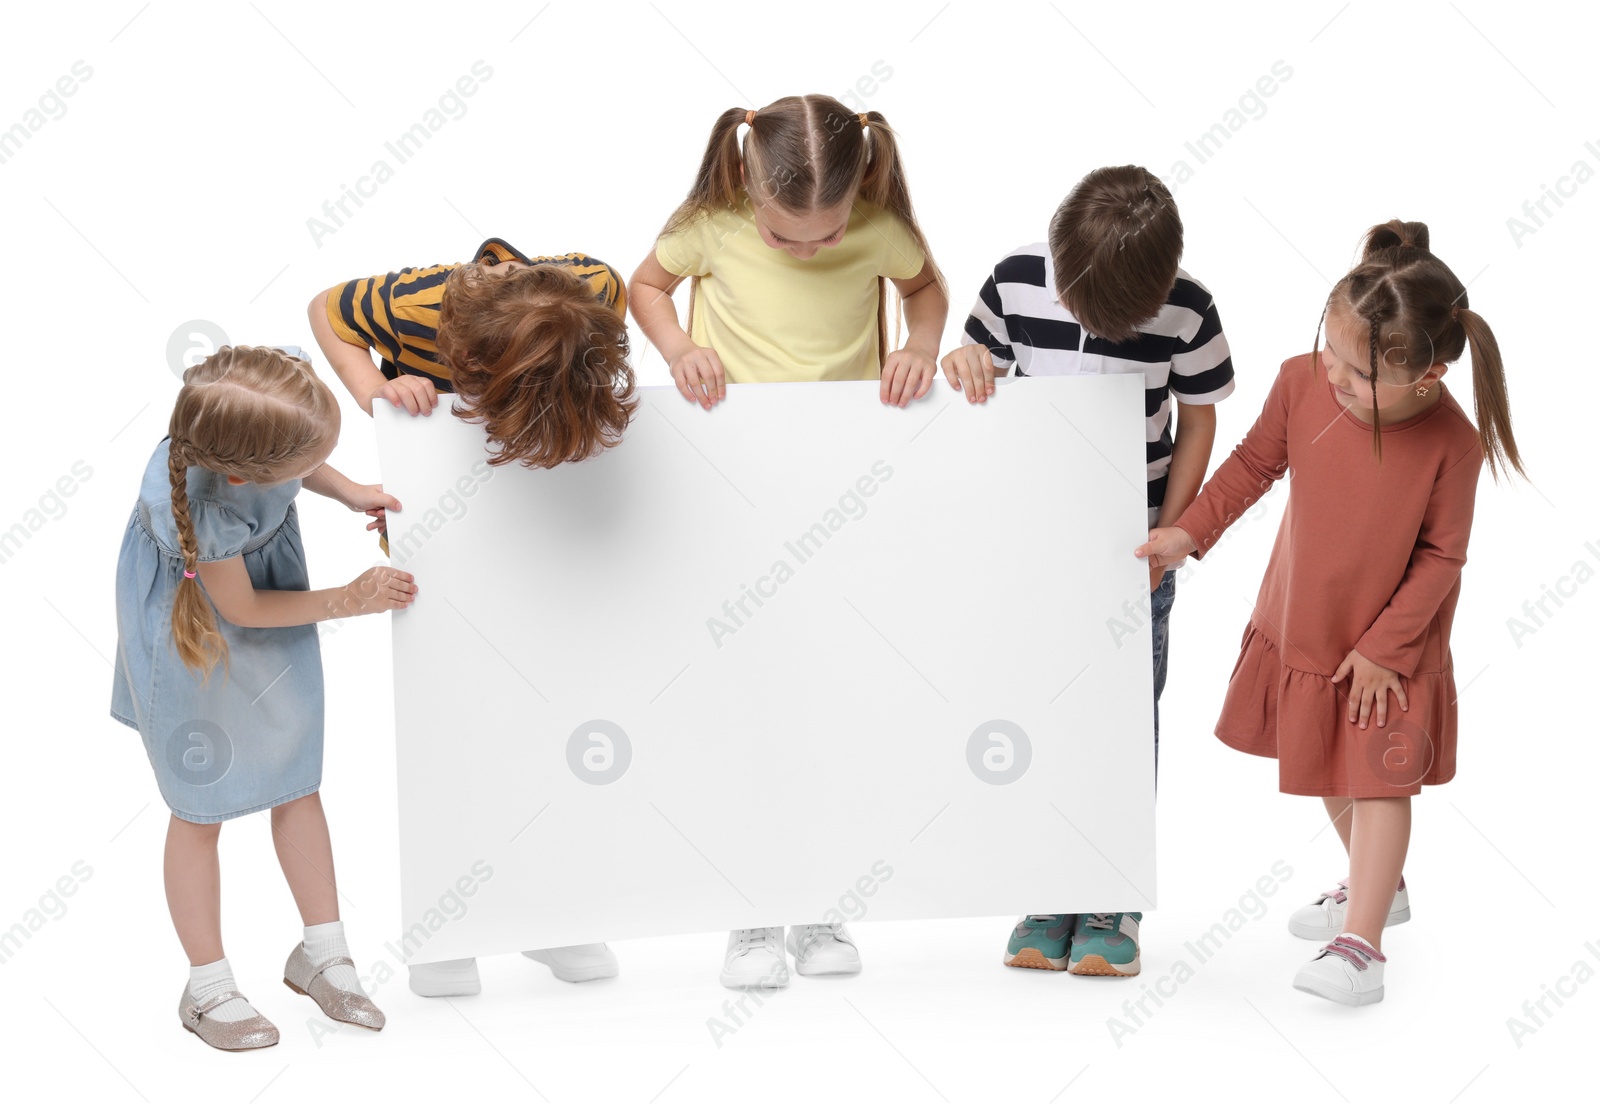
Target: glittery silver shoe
308,979
255,1032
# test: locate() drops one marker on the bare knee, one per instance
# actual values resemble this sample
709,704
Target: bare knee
1395,805
296,807
196,833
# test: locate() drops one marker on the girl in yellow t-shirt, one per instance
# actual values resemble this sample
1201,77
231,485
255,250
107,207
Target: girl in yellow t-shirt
789,237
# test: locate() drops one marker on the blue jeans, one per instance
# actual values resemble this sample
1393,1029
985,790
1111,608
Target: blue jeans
1160,610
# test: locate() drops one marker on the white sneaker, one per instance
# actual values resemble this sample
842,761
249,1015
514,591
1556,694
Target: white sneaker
446,978
755,959
1347,971
576,964
1323,920
823,949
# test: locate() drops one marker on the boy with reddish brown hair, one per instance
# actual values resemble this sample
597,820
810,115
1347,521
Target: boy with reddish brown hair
511,335
536,350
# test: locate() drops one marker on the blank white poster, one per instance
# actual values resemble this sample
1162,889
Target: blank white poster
800,658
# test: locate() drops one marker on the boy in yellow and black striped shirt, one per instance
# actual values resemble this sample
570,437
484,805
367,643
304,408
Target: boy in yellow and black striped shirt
536,350
397,315
514,337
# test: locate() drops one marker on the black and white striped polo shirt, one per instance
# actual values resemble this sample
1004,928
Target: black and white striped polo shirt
1182,351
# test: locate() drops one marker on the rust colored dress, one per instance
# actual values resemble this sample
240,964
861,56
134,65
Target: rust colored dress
1368,557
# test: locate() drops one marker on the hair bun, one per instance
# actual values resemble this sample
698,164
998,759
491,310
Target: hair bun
1394,233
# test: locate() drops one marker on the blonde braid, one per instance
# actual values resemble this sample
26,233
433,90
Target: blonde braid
194,625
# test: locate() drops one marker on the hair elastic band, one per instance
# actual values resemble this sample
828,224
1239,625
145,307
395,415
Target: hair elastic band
863,118
750,118
188,574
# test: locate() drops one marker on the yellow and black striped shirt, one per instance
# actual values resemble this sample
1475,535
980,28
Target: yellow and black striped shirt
397,314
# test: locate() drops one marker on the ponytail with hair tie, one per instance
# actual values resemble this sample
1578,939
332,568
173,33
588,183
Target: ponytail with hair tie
1395,234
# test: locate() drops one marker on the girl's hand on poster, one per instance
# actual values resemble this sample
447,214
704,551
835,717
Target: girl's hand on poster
699,376
907,376
380,588
375,502
1165,548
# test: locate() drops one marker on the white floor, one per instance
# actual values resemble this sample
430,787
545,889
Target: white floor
934,1017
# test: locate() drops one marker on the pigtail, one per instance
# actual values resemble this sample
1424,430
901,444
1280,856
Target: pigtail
717,183
1491,405
884,183
877,187
194,624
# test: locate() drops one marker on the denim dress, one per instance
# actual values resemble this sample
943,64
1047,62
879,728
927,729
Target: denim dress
250,737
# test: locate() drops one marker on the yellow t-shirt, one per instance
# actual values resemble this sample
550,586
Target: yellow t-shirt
772,317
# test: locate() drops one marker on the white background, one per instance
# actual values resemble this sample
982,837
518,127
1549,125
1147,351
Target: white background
177,186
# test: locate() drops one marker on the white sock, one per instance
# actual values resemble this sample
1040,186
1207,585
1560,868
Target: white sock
210,980
326,940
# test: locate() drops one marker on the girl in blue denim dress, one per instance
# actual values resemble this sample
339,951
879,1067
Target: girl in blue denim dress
218,666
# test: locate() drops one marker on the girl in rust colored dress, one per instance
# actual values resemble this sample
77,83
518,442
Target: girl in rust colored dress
1344,674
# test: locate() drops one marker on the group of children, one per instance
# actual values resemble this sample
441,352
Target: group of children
798,219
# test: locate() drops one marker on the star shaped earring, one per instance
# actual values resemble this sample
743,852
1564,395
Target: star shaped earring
1422,390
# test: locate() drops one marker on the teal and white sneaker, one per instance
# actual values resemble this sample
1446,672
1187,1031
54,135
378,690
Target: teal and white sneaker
1039,942
1106,944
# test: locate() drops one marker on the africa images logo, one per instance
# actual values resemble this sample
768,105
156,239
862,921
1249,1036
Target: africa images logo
199,752
1400,754
999,752
598,752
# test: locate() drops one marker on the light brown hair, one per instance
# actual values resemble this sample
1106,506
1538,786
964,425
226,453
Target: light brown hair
804,154
538,360
251,412
1416,314
1115,243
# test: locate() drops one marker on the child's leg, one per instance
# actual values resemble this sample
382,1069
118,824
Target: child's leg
194,888
1160,614
1339,811
194,898
1380,831
300,835
305,853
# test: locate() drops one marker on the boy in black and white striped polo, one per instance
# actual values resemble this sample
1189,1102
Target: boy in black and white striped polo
1105,294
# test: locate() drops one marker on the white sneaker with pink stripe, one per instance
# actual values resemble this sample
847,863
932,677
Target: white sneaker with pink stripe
1323,920
1347,971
